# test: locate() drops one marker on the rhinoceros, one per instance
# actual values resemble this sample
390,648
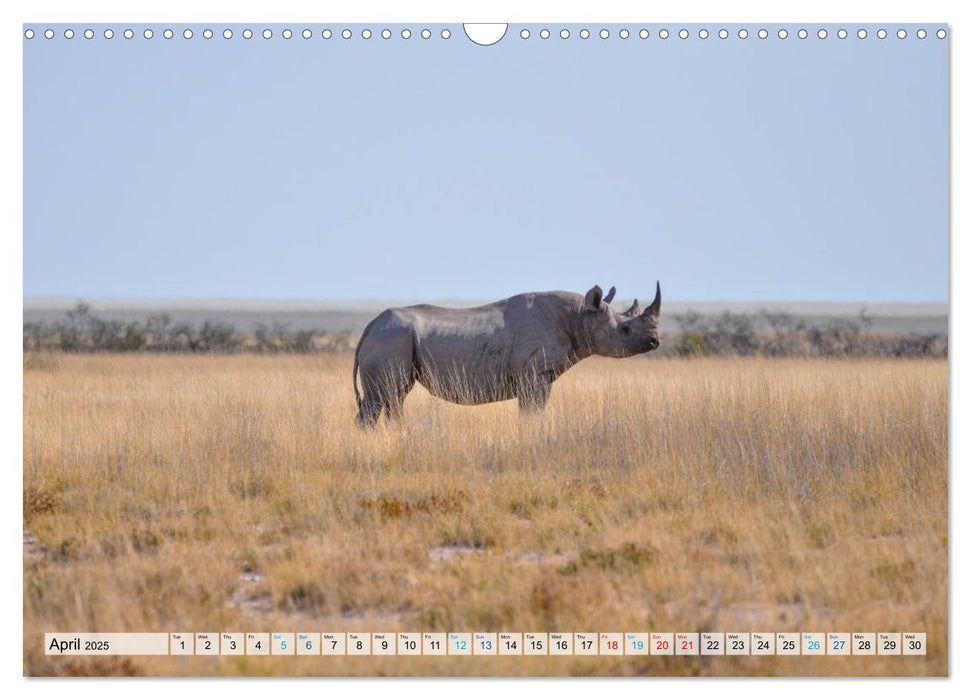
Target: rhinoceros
514,348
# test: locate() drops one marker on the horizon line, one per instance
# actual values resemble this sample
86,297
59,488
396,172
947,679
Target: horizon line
62,299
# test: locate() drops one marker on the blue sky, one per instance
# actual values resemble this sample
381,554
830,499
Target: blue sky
793,170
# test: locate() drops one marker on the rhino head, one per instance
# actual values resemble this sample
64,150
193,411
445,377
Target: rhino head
614,334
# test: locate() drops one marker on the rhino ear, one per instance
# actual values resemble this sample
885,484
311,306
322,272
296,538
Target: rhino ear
592,301
610,295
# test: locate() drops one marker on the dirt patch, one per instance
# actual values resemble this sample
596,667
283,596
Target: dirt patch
451,552
458,552
33,550
249,597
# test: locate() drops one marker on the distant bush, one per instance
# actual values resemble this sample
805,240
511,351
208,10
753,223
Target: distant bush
279,338
82,331
692,345
781,334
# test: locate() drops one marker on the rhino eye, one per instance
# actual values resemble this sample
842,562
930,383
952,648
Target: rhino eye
625,330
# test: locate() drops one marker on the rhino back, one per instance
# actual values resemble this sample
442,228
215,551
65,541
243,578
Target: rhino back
492,342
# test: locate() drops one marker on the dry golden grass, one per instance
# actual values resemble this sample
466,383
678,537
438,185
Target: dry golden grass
175,493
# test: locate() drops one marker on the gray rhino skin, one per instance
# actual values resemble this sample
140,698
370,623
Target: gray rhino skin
514,348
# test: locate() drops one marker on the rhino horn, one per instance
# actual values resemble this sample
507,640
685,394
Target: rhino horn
634,309
610,295
655,308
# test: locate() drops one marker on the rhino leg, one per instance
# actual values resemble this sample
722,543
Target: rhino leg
384,391
534,391
369,411
387,375
395,391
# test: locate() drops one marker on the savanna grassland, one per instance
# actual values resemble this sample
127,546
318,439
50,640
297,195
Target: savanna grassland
235,493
